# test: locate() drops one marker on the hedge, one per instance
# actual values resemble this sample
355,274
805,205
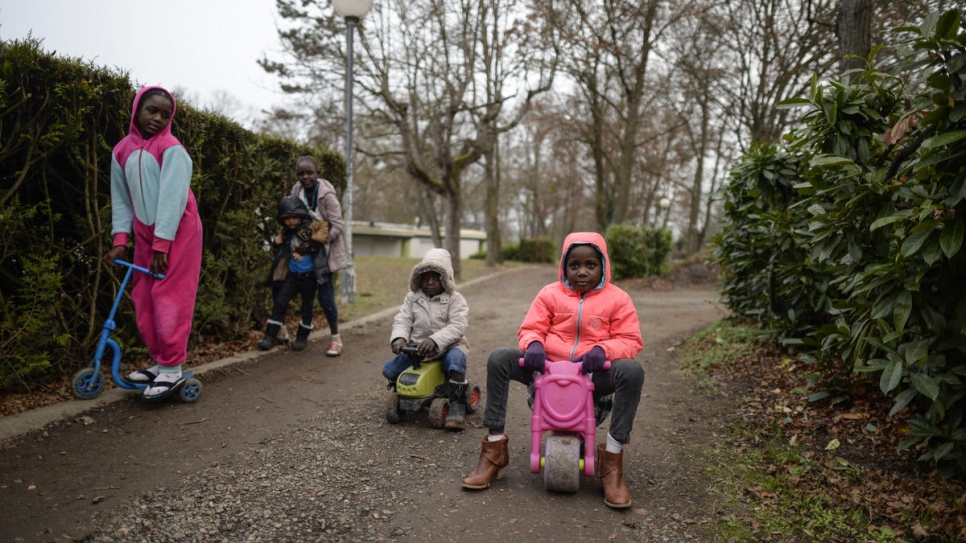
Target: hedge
59,119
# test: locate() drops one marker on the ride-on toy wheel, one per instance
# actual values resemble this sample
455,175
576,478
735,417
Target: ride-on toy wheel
190,390
561,469
86,384
438,411
392,409
473,396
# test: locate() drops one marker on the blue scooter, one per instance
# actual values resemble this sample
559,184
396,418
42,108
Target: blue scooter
87,383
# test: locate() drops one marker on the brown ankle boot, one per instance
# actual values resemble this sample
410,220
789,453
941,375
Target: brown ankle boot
493,460
610,469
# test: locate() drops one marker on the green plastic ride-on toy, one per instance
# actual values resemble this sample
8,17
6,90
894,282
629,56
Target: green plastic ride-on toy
424,387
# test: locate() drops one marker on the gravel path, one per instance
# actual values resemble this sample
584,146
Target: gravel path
302,460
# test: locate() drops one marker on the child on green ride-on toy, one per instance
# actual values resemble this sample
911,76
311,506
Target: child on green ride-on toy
434,315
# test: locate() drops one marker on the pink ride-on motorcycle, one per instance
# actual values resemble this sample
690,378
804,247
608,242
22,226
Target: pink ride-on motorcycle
563,404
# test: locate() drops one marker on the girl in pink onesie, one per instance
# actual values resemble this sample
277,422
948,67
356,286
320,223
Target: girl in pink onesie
151,196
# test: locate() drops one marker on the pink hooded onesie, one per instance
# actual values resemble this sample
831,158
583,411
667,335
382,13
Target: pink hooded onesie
151,196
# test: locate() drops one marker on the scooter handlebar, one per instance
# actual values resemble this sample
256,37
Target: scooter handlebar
119,262
606,364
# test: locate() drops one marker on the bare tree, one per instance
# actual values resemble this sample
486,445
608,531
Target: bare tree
606,48
772,48
419,81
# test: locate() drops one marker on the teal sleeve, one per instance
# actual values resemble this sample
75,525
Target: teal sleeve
122,211
175,183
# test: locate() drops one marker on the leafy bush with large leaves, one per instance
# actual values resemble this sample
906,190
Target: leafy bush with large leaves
847,240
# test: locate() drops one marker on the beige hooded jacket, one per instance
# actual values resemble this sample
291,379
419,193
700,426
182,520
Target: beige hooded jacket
442,318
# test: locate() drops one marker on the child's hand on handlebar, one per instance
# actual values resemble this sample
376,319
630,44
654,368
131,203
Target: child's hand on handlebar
535,357
116,252
159,264
426,348
397,345
593,360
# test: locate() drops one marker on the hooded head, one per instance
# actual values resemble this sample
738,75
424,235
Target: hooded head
436,260
587,239
156,143
292,206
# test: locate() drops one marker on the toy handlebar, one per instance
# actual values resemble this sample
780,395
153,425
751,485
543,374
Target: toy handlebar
606,363
119,262
410,350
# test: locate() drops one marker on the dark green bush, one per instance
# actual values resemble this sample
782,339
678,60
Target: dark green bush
638,252
848,240
511,252
59,119
540,250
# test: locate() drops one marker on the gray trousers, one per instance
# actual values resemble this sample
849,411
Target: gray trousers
624,380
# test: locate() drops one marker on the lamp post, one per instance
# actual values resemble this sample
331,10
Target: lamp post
352,11
665,204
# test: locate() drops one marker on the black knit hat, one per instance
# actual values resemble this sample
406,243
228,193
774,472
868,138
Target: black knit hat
292,205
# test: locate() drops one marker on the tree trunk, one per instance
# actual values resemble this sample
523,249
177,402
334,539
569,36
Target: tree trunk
491,168
853,27
454,212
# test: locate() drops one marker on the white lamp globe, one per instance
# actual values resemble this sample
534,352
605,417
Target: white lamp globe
354,9
664,203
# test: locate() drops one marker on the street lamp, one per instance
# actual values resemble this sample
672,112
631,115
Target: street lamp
665,204
352,11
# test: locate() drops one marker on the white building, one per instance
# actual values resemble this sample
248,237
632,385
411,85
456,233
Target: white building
407,241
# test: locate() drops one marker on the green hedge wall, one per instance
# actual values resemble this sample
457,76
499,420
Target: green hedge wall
59,119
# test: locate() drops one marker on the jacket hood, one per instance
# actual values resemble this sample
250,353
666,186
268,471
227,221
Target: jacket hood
292,205
593,239
156,144
439,261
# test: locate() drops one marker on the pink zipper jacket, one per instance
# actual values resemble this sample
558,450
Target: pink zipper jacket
569,323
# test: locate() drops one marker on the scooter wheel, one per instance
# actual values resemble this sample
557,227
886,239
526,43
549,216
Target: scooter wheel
473,396
86,384
190,390
392,409
561,469
437,412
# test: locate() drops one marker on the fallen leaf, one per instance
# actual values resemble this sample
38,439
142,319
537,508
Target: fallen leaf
832,445
850,416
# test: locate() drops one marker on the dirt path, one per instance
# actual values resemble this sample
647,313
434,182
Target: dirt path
68,481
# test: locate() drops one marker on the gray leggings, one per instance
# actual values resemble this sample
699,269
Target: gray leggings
624,379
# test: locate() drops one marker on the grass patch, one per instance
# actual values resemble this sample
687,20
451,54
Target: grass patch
722,344
772,491
790,470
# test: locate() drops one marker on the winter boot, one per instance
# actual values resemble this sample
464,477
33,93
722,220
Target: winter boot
271,335
493,461
456,417
610,469
302,338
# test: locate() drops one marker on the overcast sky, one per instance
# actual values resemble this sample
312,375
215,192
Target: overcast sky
199,46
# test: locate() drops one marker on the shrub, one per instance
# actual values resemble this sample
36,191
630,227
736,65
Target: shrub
542,250
638,252
848,240
511,252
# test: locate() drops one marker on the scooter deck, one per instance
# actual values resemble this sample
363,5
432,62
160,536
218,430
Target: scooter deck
168,393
